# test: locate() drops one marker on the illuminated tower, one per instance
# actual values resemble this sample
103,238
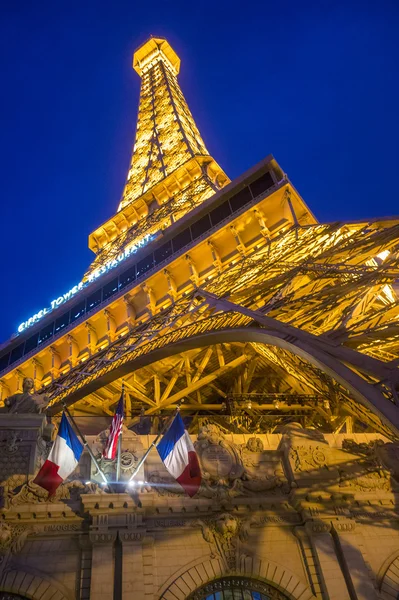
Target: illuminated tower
188,253
275,335
171,171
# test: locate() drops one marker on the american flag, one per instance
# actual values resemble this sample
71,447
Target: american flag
114,431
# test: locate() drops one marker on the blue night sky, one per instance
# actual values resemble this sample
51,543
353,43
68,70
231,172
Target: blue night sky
315,84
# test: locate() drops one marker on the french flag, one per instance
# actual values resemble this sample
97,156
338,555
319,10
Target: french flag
62,460
179,457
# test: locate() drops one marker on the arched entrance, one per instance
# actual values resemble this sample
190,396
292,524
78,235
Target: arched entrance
7,596
237,588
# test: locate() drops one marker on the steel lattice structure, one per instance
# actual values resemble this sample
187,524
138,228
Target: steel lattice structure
267,312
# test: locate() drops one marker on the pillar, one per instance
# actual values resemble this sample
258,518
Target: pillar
348,544
132,564
102,565
324,548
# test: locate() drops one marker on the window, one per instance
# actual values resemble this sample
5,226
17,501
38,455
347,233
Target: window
163,252
93,300
110,289
17,353
181,240
200,227
4,361
145,264
46,333
240,199
220,213
236,588
31,343
127,277
78,310
61,322
262,184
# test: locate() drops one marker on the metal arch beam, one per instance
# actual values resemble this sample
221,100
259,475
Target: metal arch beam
365,363
364,392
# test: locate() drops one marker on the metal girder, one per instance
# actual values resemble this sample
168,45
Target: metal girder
267,305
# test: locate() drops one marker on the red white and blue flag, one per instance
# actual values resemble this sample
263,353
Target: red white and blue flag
62,460
115,431
179,456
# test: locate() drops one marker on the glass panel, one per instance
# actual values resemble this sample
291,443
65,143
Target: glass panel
181,240
240,199
235,588
17,353
127,277
200,227
78,310
220,212
31,343
4,361
62,322
46,333
145,265
110,288
94,300
163,252
262,184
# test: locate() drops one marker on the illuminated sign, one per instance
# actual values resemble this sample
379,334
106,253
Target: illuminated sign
111,264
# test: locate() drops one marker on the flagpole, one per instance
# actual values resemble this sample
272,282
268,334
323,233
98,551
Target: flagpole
154,444
118,460
85,444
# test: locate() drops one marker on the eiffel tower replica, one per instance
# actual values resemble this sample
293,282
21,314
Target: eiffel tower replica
229,297
275,335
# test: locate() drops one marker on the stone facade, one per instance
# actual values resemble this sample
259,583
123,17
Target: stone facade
300,514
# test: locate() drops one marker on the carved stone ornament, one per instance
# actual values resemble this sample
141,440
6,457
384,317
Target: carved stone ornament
308,458
131,453
13,537
344,525
97,537
230,470
317,527
224,532
11,443
369,472
30,493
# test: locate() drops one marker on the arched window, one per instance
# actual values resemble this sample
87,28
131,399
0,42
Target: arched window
237,588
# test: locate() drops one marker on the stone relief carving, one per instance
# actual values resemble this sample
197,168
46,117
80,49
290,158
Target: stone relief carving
263,471
224,532
13,537
308,458
373,470
30,493
229,470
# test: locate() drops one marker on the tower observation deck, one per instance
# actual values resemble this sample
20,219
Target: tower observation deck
228,296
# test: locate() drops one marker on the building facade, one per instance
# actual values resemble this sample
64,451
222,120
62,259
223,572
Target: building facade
276,337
